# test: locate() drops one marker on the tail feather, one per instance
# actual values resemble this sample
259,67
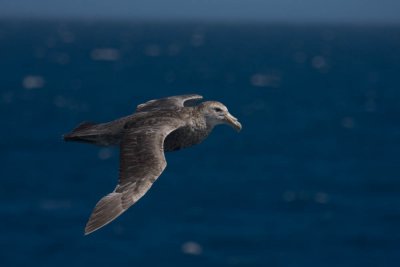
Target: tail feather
79,132
88,132
103,134
83,126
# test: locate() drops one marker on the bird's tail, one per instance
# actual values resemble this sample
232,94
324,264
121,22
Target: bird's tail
97,134
84,132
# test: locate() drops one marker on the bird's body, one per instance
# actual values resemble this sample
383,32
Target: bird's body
111,133
165,124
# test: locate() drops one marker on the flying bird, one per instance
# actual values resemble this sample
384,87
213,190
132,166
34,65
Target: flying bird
157,126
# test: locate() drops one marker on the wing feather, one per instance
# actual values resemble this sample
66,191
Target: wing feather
142,161
169,102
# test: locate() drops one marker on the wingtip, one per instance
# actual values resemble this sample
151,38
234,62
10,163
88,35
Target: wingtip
88,232
196,96
106,210
90,228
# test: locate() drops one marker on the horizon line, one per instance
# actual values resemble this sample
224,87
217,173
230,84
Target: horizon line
194,20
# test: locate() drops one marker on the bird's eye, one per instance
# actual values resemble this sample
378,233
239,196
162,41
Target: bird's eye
217,109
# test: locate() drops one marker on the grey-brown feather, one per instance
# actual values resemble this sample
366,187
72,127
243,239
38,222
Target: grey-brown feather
166,124
142,161
169,102
110,133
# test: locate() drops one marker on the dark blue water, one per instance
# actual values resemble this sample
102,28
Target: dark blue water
312,180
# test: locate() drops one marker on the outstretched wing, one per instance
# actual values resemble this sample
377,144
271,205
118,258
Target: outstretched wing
169,102
142,161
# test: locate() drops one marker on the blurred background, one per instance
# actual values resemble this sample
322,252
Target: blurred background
312,179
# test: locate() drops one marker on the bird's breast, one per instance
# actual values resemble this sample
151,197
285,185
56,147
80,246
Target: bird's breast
184,137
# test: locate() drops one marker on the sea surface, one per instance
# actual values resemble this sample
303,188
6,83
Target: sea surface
313,179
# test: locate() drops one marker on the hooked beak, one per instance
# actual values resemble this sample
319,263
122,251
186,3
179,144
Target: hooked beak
232,121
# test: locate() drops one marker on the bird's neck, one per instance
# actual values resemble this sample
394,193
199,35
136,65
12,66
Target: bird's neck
201,123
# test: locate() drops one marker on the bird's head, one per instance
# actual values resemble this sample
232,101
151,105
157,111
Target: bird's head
217,113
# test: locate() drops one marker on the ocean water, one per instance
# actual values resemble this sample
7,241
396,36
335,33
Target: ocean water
313,179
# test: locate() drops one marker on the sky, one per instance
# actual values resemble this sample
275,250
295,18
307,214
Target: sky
368,11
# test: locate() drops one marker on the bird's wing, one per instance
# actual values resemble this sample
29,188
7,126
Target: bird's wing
168,102
142,161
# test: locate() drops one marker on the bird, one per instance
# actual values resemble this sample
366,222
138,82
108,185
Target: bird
157,126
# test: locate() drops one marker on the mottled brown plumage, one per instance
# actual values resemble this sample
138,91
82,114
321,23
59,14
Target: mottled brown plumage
166,124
